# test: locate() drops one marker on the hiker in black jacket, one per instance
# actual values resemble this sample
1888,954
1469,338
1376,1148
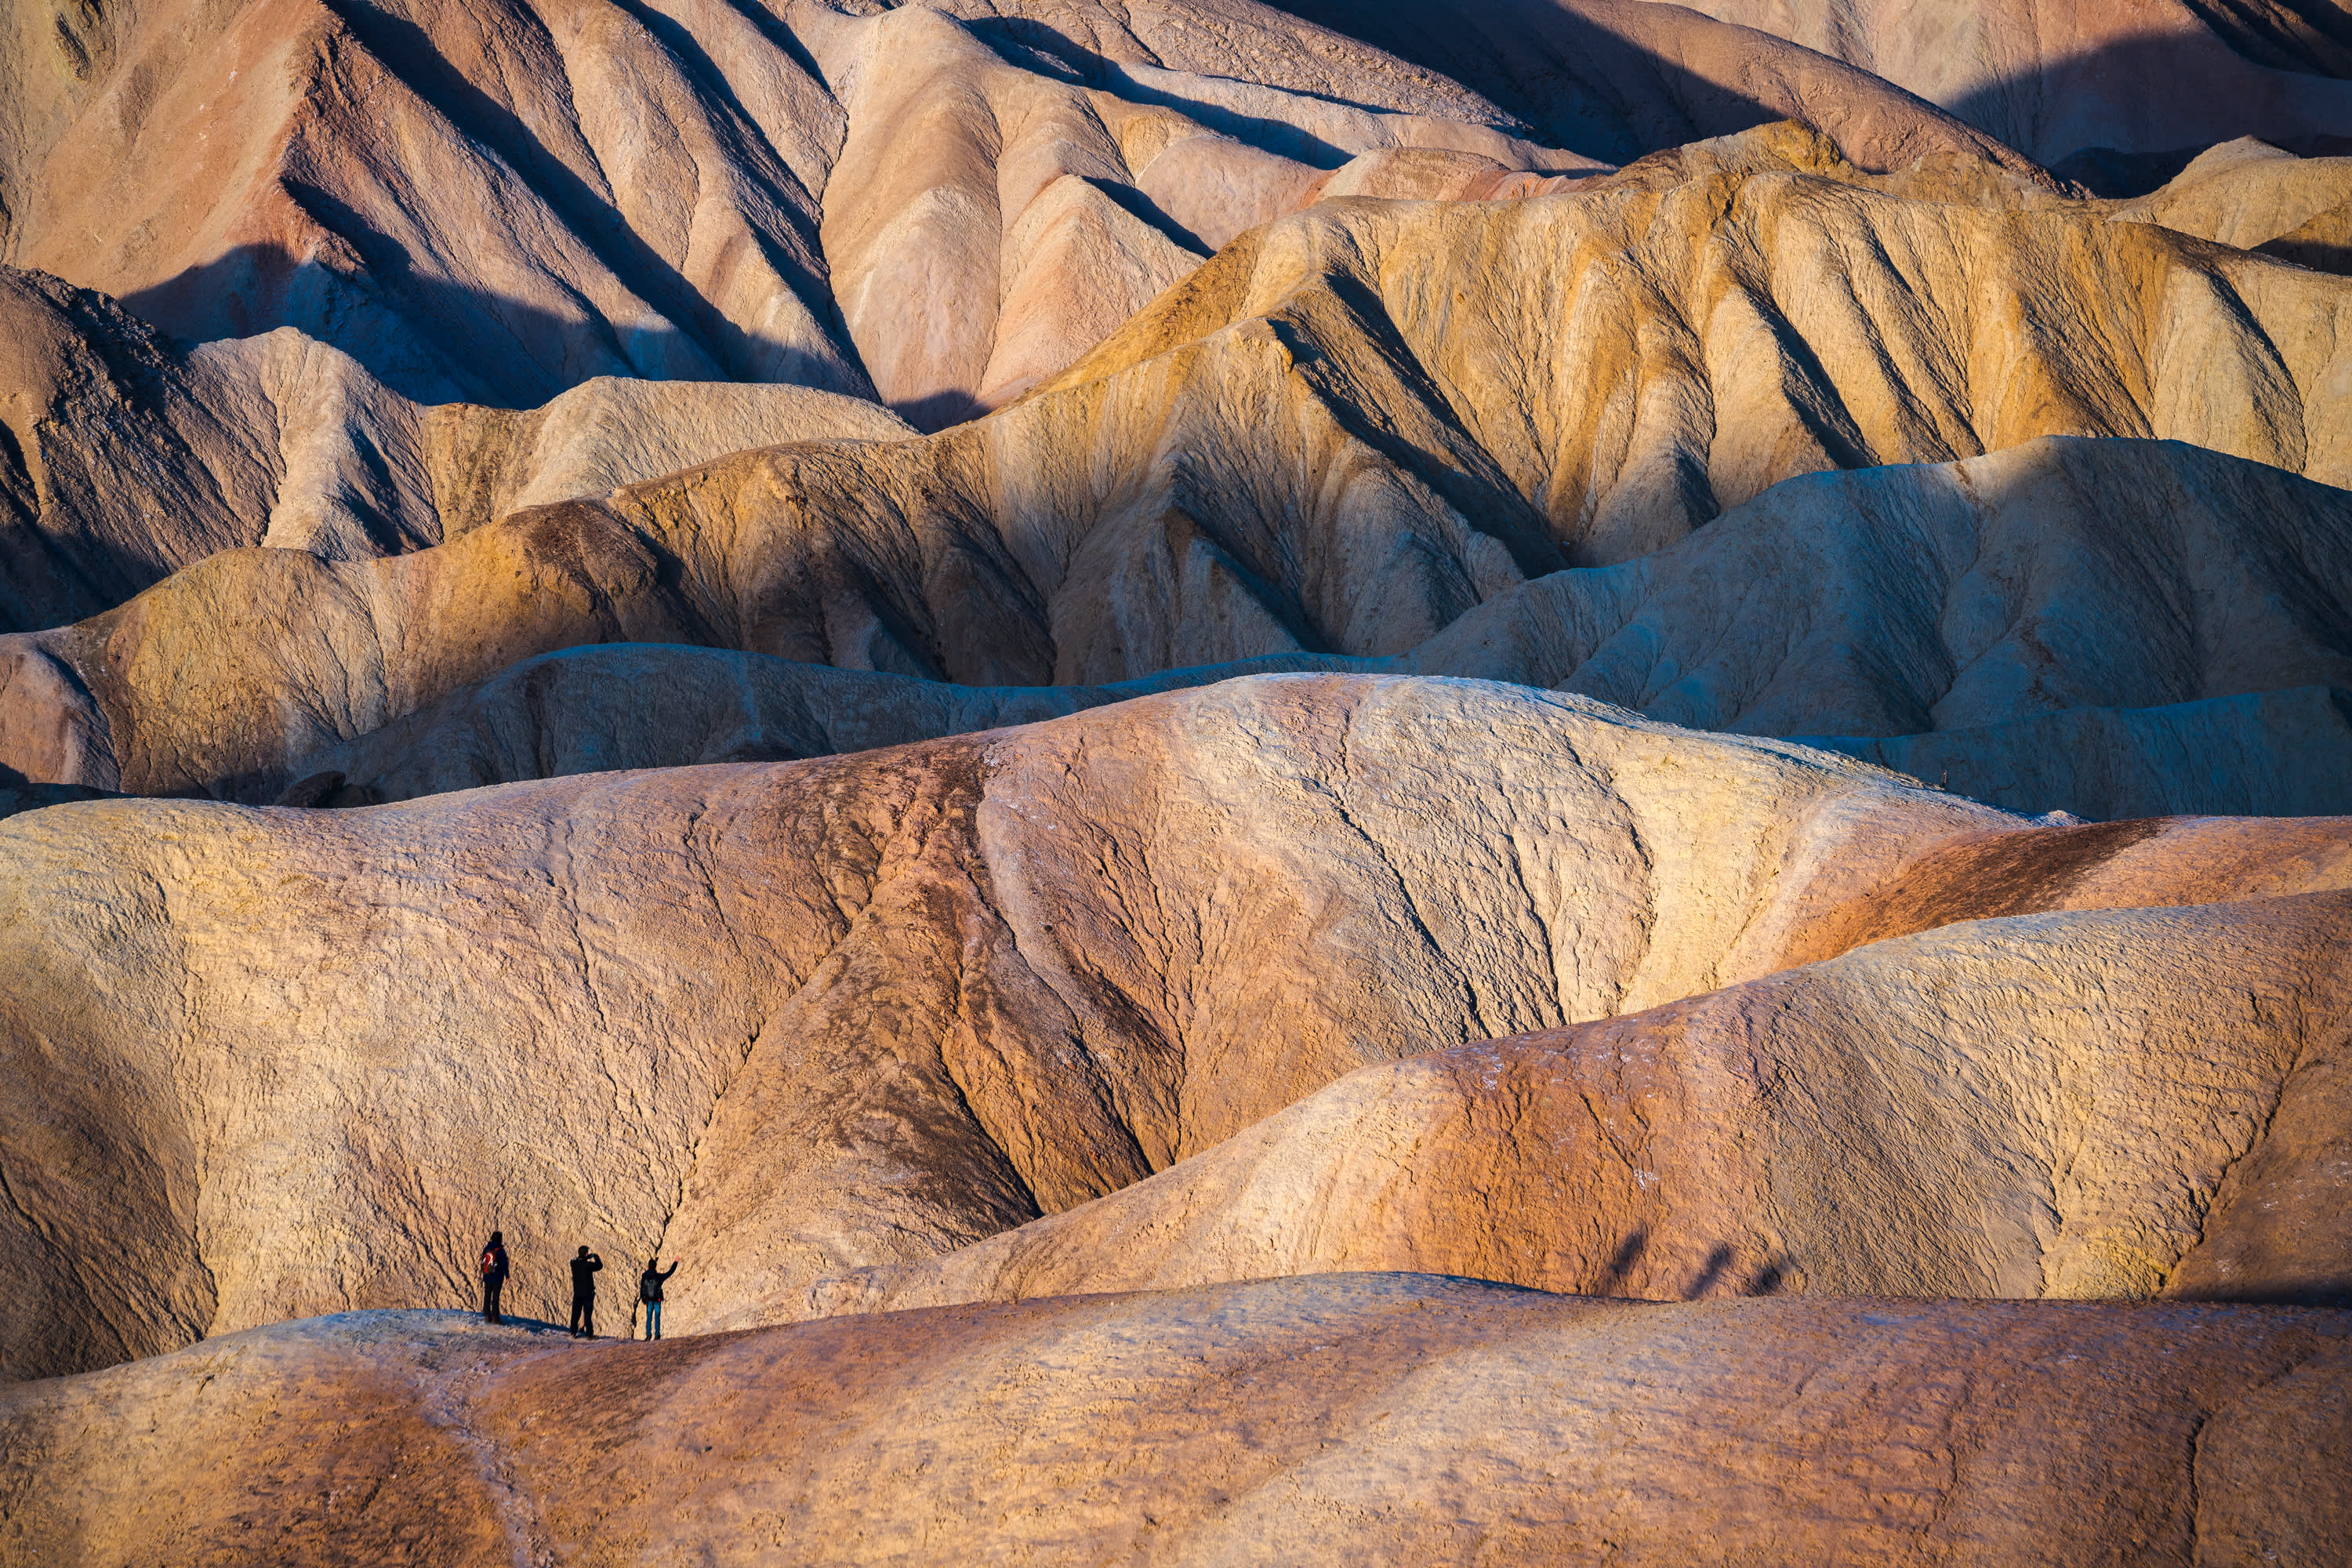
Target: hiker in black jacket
494,1276
649,1291
583,1294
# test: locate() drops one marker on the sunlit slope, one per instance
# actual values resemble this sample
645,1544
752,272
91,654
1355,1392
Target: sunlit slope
1340,1419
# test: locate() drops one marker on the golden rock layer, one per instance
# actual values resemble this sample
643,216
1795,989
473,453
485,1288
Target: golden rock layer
1361,1418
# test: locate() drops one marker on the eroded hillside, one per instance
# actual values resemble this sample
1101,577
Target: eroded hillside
1161,732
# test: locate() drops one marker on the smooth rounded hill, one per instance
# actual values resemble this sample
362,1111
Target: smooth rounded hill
1366,1418
820,1014
1933,1116
2256,196
794,1019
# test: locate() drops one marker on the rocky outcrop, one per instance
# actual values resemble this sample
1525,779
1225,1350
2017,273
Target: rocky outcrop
1359,1418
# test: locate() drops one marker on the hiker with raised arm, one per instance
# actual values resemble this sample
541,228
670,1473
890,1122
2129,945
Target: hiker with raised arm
494,1276
649,1291
583,1294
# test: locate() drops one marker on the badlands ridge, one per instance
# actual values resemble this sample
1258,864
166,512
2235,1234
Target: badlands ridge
1553,781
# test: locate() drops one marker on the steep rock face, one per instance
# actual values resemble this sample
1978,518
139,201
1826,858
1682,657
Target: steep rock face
2059,81
486,202
1366,1418
128,458
800,1017
1938,1115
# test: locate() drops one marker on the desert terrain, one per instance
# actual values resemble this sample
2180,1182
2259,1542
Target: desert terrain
1537,781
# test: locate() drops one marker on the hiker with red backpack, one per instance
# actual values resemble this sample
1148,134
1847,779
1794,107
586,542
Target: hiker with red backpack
494,1276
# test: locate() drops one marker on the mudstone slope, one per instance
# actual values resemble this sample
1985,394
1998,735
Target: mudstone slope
1166,726
1360,1417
